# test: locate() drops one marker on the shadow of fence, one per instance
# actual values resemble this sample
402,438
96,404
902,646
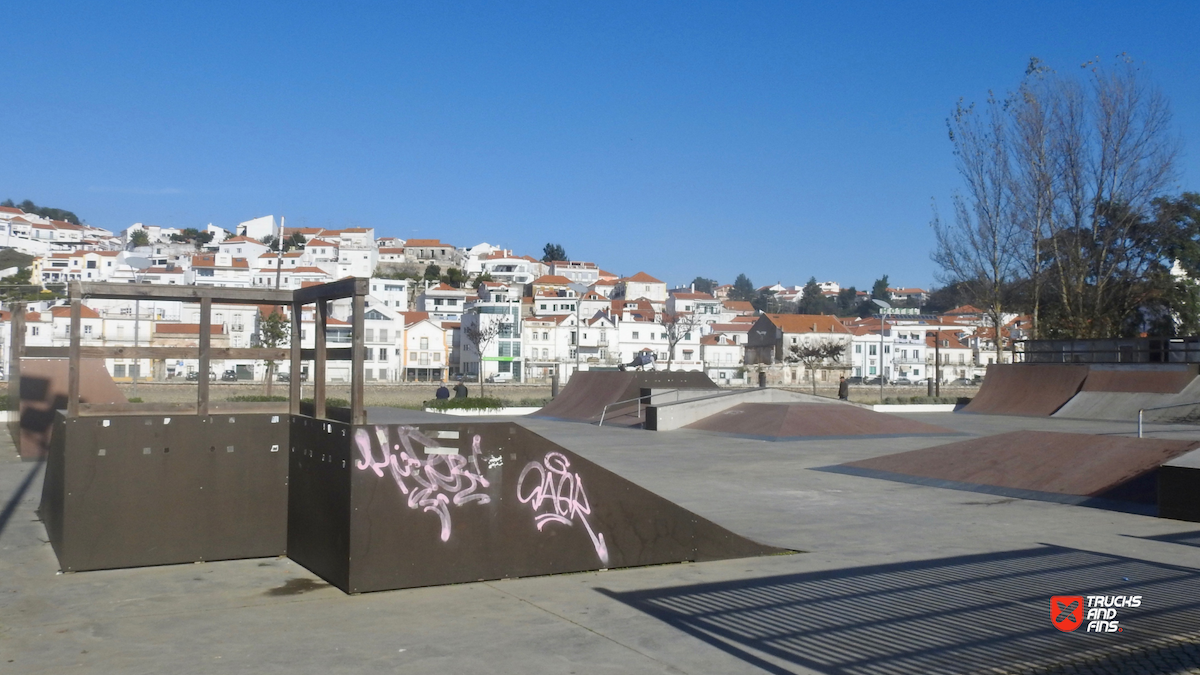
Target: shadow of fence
950,615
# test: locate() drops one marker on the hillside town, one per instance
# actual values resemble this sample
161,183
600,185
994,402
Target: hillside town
441,311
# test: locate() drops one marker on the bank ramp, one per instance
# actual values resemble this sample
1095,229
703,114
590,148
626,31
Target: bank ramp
588,393
1033,390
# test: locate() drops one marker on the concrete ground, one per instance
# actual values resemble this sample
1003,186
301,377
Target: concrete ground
890,578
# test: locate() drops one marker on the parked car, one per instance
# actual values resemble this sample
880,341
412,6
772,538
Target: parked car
854,380
903,382
964,382
194,376
500,377
229,376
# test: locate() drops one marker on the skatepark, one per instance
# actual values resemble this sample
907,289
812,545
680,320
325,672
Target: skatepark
722,531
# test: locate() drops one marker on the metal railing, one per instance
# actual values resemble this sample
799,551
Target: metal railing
604,413
1161,407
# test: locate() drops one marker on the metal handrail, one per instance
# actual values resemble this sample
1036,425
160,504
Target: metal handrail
604,412
1161,407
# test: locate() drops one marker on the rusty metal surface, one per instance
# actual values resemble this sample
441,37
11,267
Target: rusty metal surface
587,392
1110,467
1146,379
790,421
131,491
1025,389
450,503
319,506
44,390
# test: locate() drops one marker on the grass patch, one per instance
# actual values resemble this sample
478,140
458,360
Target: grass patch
256,398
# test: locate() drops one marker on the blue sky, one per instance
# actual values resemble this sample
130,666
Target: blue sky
783,140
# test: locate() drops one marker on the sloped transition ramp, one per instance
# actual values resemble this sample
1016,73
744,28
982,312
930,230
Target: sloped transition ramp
43,387
588,392
1032,390
396,506
1116,468
799,421
1119,392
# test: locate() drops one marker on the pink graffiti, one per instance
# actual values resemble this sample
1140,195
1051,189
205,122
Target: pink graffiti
558,491
432,482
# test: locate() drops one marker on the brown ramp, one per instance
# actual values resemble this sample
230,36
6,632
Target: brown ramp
43,387
1033,390
588,392
1107,467
1149,379
795,421
379,507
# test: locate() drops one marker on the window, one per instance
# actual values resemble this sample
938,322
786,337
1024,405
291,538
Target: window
872,350
535,336
664,336
871,370
383,374
437,357
545,335
370,355
424,343
545,353
412,356
370,335
793,339
87,330
962,359
635,335
34,330
452,302
91,264
119,370
857,349
383,335
424,360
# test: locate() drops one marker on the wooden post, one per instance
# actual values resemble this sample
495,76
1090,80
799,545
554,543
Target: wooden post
73,360
295,390
205,354
16,345
319,359
358,350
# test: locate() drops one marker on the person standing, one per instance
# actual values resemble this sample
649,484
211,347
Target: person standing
442,392
843,389
460,390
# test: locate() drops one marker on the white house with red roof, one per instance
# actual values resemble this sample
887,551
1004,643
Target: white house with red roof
243,247
723,358
641,285
443,302
578,271
427,251
221,269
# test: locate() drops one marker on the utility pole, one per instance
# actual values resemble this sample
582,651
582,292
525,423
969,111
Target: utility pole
279,254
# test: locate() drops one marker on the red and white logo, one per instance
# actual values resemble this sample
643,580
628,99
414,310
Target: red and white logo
1066,612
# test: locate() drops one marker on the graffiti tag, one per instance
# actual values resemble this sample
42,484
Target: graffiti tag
556,495
432,482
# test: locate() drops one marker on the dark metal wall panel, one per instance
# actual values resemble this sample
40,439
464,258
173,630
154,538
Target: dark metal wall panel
450,503
50,510
319,498
1179,492
156,489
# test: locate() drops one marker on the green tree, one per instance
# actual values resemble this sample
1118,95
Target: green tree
879,291
480,279
553,252
433,273
293,241
743,289
138,239
454,277
44,211
847,301
273,332
195,237
812,300
703,285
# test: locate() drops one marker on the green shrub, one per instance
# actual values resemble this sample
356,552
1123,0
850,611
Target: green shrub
533,402
256,398
136,399
330,402
3,401
479,403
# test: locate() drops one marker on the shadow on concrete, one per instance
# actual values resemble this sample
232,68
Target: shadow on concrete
10,507
949,615
1182,538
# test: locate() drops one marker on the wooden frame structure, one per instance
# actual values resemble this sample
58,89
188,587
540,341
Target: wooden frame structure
321,295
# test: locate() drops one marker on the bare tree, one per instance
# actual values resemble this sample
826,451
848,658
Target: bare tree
980,250
678,326
1114,153
480,337
813,354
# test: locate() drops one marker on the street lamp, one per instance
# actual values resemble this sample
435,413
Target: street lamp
883,308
